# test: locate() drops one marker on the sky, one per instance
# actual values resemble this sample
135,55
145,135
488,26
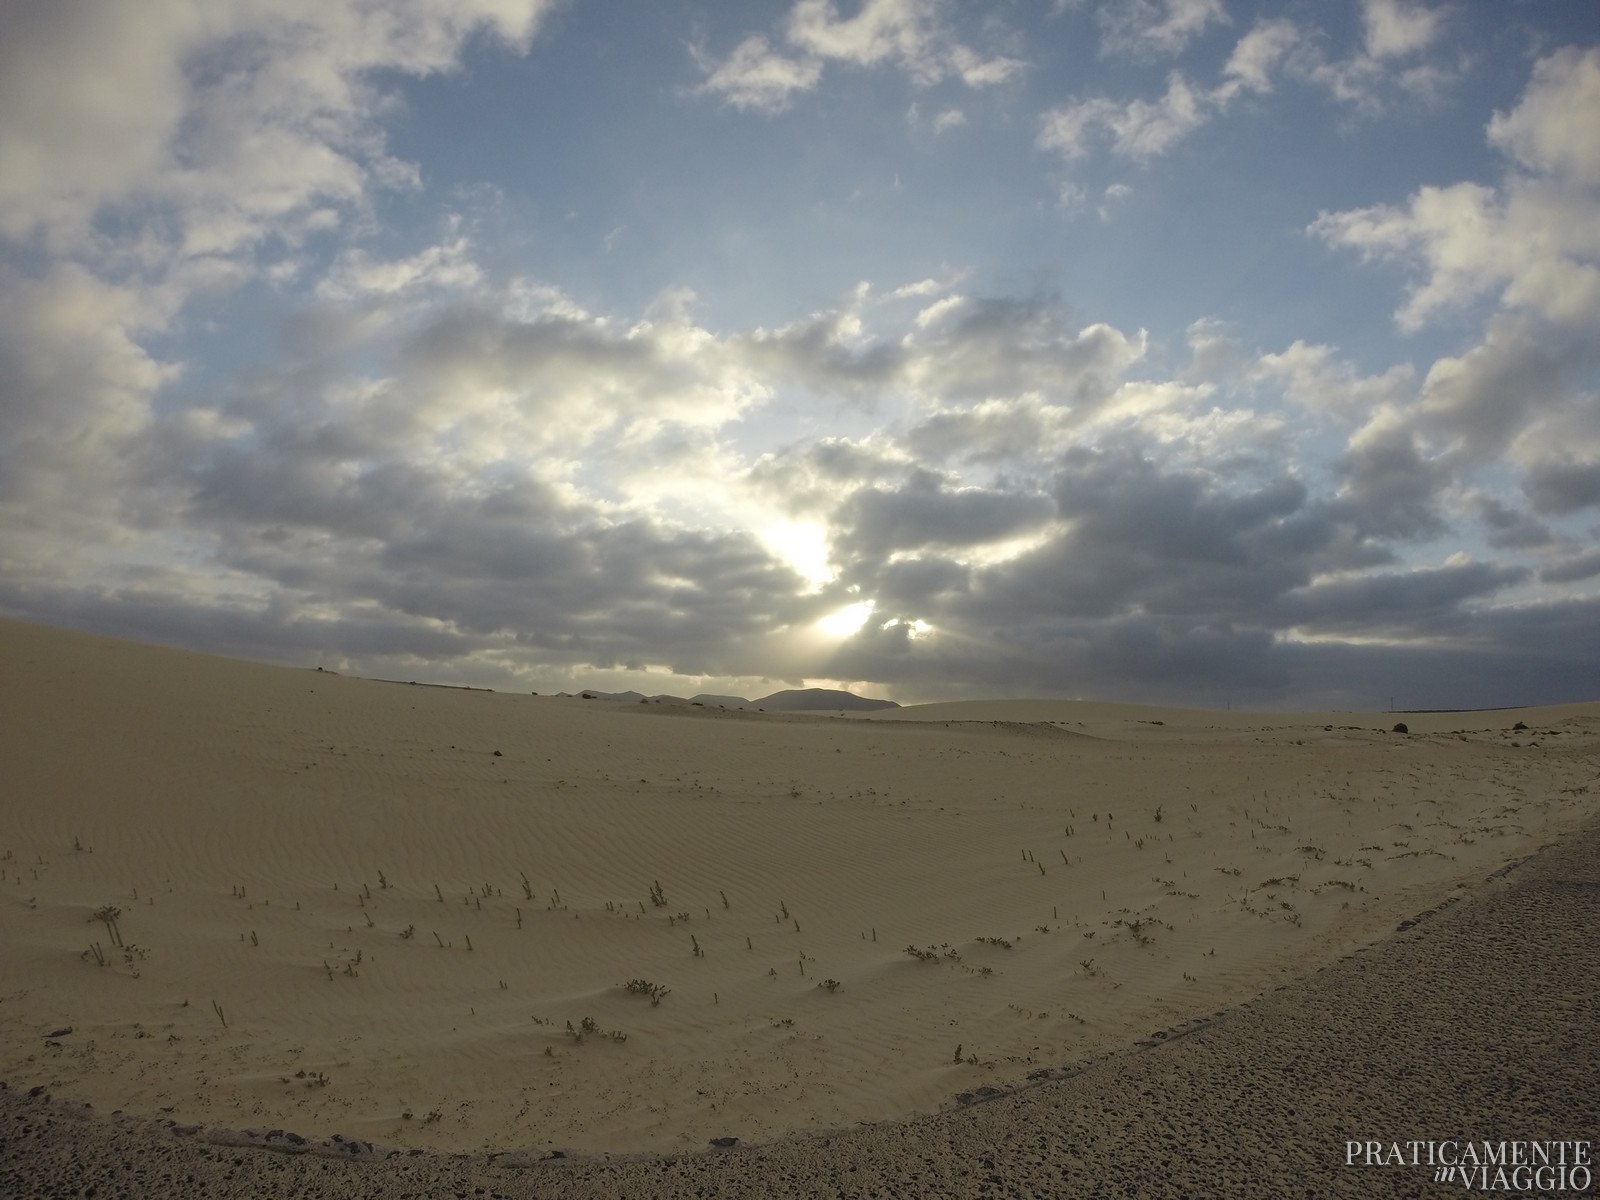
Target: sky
1199,352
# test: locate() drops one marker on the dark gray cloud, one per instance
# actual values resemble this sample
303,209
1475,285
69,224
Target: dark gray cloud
1481,400
1138,537
994,432
1572,568
926,512
825,353
1563,485
1013,347
1416,603
1508,528
1389,489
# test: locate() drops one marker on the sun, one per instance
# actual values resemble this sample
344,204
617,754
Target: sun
803,545
847,620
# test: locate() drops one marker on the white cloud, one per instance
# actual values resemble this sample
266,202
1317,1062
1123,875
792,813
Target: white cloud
1141,129
1396,36
1552,129
1138,129
1534,240
1156,28
229,120
1395,28
1529,245
148,155
757,77
1314,378
1259,54
448,266
938,310
912,35
922,287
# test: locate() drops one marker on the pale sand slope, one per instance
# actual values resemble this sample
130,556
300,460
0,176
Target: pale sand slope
271,835
1481,1022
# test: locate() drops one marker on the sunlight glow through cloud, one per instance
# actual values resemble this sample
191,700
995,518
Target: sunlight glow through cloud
848,620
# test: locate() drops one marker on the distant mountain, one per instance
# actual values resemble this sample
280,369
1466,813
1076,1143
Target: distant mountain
811,699
708,700
789,700
591,694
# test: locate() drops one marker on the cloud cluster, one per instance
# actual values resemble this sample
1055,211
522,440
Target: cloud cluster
1531,241
444,468
1146,29
1397,35
1029,521
914,36
1526,390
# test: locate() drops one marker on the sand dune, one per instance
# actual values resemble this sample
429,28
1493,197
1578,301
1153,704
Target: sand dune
408,913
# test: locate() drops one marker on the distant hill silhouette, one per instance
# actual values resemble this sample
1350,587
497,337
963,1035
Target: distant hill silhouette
710,700
788,700
810,699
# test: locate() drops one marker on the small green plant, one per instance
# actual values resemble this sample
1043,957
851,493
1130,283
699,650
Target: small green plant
657,896
698,953
832,985
994,941
928,955
221,1016
1157,814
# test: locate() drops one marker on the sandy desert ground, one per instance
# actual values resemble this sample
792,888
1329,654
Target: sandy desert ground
410,914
